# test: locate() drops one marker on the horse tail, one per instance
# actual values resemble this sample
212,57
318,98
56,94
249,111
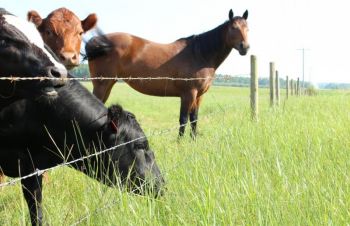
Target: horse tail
97,46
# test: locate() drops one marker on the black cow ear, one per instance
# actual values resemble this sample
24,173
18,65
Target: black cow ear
115,112
245,15
230,15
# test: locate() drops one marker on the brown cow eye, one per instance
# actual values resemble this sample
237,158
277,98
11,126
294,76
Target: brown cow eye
48,32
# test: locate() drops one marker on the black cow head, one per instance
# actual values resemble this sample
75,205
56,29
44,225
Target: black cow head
133,164
23,54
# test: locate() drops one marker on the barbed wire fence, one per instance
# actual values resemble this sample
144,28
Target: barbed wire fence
224,78
159,133
88,78
39,172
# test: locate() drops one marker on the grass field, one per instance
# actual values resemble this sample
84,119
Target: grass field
290,168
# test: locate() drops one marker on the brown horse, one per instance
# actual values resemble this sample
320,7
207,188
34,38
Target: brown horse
197,56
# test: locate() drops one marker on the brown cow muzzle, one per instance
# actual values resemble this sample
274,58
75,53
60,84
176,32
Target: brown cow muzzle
69,59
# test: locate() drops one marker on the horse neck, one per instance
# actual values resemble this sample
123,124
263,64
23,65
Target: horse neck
210,46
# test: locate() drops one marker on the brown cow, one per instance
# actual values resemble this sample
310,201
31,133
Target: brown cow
62,31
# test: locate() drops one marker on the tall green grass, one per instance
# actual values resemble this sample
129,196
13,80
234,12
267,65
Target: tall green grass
289,168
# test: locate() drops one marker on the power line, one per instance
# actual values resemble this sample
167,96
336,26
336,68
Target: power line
303,66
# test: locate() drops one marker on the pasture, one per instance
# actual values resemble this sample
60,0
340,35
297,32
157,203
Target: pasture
290,168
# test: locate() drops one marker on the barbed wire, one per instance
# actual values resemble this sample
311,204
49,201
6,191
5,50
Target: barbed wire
12,78
38,172
89,78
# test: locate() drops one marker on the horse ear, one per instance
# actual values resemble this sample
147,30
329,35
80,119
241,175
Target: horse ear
230,14
245,15
34,17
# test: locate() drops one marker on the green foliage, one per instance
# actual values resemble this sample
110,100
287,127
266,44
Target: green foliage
311,91
244,81
289,168
334,85
81,71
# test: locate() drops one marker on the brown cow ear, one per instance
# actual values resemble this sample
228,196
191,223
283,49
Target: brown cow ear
34,17
89,22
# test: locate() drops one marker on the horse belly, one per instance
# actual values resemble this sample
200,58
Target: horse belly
155,88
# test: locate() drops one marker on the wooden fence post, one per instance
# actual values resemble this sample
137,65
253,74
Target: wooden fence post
291,87
254,87
272,84
287,87
277,83
298,87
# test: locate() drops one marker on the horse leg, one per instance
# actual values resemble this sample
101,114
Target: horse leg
32,192
187,101
194,117
108,91
102,89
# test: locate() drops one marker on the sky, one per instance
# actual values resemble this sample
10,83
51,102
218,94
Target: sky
278,29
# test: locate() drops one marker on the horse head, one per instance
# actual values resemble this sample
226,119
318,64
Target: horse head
237,32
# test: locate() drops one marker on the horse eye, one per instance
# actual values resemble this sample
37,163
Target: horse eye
234,26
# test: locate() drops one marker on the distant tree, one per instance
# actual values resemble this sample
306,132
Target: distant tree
244,81
334,86
81,71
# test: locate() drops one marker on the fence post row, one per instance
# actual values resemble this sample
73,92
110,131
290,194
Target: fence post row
287,87
254,86
298,87
277,83
272,83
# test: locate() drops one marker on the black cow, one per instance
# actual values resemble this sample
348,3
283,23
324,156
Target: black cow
42,133
23,54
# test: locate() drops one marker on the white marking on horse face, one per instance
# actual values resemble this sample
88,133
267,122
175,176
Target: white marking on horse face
33,35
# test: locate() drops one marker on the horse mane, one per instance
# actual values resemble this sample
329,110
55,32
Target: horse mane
209,44
98,46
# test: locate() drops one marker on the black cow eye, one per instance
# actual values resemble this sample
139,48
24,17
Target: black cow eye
139,146
3,43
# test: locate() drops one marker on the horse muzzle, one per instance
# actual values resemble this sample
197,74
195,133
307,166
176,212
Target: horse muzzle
243,49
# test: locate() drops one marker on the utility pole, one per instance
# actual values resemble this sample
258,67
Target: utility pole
303,65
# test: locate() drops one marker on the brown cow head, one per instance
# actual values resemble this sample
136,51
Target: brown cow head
62,31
